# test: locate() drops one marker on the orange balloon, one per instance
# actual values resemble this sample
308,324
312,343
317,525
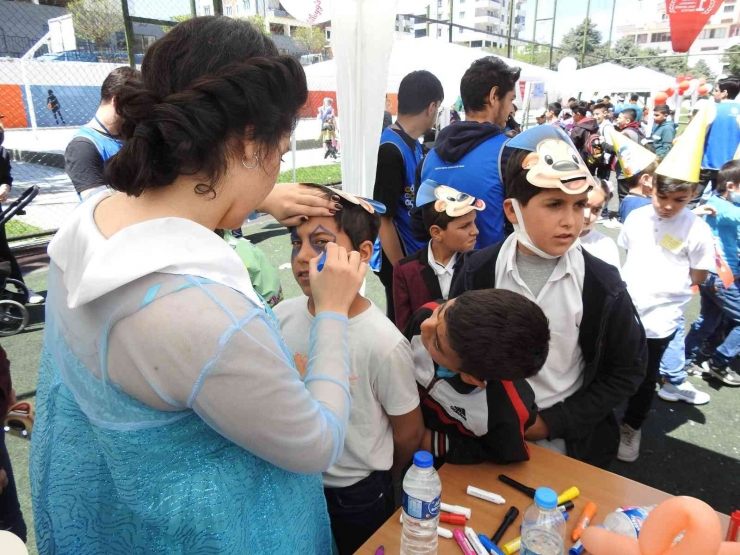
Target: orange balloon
684,86
689,77
703,90
669,91
660,98
680,78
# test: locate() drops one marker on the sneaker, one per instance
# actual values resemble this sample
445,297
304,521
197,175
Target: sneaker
612,224
726,374
629,443
685,392
34,298
695,370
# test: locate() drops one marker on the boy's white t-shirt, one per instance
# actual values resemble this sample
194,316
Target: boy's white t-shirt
660,253
381,381
602,247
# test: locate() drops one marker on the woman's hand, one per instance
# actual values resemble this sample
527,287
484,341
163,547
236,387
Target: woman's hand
293,203
335,287
4,190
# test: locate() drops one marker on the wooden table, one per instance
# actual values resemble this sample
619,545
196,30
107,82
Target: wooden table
545,468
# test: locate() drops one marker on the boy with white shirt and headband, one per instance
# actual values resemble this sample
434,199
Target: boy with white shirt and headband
597,352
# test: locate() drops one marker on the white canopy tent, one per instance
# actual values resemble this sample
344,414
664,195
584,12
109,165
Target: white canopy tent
445,60
647,79
604,78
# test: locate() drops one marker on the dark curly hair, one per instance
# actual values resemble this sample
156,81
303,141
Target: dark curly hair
207,86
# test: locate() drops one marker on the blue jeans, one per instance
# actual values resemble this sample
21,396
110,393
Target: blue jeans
716,302
673,363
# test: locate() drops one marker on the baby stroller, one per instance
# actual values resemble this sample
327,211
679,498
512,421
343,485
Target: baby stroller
13,294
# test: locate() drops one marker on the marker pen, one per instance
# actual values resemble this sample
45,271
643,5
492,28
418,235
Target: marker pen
486,495
463,543
456,509
586,516
567,506
577,548
568,495
450,518
526,490
475,543
322,261
491,547
733,530
509,519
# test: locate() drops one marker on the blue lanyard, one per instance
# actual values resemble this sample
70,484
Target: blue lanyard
100,123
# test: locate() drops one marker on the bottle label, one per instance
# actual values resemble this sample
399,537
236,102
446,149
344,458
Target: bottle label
637,516
422,510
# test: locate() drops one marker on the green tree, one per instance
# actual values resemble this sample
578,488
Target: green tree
702,69
312,38
572,44
258,21
178,18
96,20
732,57
625,48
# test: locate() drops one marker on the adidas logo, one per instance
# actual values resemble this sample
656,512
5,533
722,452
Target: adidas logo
459,411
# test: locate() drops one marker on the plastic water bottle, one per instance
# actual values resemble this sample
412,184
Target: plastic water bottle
422,490
627,521
543,525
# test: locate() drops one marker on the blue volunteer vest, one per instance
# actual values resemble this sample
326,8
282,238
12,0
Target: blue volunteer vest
723,136
477,174
107,146
402,219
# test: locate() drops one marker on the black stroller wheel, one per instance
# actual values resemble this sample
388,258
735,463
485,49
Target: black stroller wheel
16,291
13,318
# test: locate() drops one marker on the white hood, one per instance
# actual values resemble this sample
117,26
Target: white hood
94,266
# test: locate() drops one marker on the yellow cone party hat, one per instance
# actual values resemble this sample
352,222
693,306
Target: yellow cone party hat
683,162
632,157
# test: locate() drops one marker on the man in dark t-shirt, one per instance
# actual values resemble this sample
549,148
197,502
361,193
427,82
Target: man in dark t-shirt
95,142
419,97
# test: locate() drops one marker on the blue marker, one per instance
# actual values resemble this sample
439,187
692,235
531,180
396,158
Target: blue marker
489,545
322,261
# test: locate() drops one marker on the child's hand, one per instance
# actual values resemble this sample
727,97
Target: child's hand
537,431
301,364
335,287
705,210
4,190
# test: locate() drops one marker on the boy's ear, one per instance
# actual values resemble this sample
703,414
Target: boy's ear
435,231
470,380
646,180
509,211
366,251
731,185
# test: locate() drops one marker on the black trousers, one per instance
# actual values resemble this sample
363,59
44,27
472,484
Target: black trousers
11,517
386,278
639,404
357,511
7,255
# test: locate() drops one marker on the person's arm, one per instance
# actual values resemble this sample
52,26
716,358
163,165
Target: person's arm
388,189
408,430
622,370
698,276
389,240
401,299
84,165
6,177
701,252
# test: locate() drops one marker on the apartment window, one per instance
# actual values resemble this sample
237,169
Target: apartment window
713,34
476,44
489,28
228,10
709,48
439,32
207,10
247,5
462,1
641,39
660,37
439,3
328,34
462,15
664,17
460,30
729,9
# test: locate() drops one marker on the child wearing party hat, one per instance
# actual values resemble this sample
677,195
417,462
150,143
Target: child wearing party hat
597,352
449,219
669,250
638,165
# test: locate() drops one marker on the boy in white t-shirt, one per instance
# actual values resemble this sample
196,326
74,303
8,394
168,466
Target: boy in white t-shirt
593,241
385,425
669,249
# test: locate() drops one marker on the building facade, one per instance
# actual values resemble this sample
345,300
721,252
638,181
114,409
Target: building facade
721,32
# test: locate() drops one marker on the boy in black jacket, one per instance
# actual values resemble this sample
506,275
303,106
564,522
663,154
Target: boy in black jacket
598,354
475,400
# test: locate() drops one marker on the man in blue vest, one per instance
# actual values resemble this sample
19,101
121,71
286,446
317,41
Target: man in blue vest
95,142
723,134
466,155
420,95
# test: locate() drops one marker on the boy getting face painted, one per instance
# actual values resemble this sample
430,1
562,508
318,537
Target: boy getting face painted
385,425
597,354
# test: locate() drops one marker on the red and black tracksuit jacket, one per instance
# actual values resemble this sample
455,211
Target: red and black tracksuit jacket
469,424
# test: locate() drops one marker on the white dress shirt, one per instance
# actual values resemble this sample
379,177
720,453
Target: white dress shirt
443,272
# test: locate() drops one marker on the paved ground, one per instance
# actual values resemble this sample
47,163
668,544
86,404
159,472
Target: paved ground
686,450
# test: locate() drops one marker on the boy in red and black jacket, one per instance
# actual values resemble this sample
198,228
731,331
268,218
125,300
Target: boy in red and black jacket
475,400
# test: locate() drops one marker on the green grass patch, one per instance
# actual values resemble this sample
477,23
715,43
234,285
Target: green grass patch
14,228
313,174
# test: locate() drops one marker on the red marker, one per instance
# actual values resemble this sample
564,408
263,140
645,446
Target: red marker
450,518
733,531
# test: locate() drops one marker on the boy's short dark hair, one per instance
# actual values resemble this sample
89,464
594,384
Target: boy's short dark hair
580,108
572,99
730,85
634,98
498,334
600,106
555,108
607,98
662,109
359,224
666,185
729,173
482,75
417,91
116,80
515,179
630,113
431,217
634,181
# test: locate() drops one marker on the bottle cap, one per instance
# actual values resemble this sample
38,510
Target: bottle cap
543,497
424,459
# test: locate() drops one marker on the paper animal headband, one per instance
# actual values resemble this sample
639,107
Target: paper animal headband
370,205
446,199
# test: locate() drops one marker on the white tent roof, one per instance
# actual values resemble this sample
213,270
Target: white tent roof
445,60
647,79
603,78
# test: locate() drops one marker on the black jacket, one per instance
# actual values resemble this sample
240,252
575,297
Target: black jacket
470,425
5,177
614,348
582,131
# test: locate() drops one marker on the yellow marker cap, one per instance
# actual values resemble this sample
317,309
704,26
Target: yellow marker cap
512,547
568,495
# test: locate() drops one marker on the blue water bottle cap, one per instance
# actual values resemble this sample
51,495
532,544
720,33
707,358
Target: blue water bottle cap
423,459
546,498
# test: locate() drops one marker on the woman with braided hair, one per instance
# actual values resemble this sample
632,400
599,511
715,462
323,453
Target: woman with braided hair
170,417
